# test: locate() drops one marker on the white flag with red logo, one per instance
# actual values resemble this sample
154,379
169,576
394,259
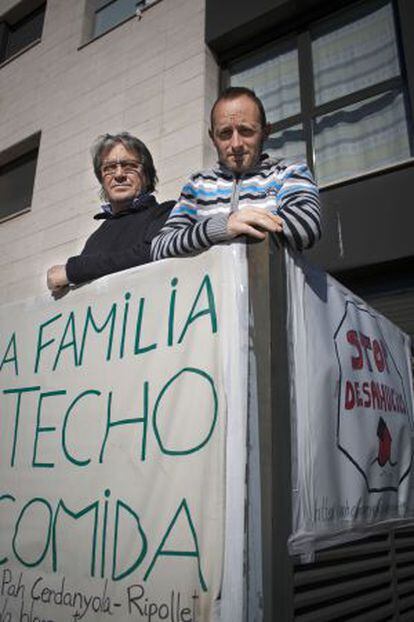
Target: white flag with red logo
352,403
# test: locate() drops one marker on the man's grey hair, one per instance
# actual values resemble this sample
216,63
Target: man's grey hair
104,143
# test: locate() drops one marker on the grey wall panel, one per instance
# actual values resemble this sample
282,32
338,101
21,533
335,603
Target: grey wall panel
367,221
236,25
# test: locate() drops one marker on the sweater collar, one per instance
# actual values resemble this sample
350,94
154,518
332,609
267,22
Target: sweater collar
263,162
138,204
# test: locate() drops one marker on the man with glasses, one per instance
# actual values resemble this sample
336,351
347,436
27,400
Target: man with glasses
247,193
131,214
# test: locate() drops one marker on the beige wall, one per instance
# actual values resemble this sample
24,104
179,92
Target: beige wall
152,77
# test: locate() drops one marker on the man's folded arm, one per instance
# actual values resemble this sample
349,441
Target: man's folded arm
299,207
185,233
92,265
87,267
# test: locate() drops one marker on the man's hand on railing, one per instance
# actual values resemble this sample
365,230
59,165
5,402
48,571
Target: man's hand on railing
254,222
57,278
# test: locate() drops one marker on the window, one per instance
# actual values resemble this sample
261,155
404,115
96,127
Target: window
17,174
101,16
335,93
110,13
16,34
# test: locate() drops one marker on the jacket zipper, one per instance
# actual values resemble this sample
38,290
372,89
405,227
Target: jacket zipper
235,193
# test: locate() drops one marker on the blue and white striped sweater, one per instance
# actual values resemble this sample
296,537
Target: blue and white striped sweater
199,219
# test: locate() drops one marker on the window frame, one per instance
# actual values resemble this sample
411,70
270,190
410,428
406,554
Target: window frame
309,110
12,157
15,18
92,7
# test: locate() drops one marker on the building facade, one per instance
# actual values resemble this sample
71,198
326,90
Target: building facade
337,79
70,71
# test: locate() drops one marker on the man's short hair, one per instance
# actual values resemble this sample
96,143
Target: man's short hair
104,143
234,92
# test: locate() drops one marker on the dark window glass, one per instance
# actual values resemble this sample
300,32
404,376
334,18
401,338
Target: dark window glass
356,54
15,37
113,13
362,137
274,76
287,143
16,184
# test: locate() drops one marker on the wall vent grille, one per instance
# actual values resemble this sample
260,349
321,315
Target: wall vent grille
369,580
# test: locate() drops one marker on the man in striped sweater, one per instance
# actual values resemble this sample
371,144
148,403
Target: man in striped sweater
247,193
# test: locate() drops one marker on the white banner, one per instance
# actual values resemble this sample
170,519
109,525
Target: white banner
114,404
352,405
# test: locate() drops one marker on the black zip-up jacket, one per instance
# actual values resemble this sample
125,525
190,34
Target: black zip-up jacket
122,241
